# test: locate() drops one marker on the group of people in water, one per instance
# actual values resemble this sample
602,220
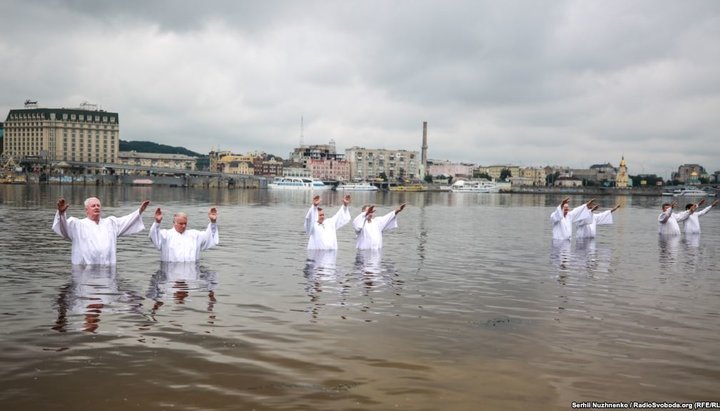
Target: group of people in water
586,219
94,238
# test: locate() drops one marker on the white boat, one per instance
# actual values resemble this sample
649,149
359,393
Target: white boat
356,187
484,186
297,183
689,192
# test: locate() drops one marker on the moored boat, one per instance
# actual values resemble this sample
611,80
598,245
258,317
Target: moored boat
482,186
364,186
689,192
297,183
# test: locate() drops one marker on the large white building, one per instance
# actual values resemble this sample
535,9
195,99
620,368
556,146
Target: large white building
62,134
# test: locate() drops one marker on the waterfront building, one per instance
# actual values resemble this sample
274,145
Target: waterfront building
529,177
158,160
302,154
369,164
565,181
328,169
296,171
85,134
495,171
622,179
214,159
447,168
690,174
598,174
236,164
270,167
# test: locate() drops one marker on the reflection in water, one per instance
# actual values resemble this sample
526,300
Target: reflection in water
561,256
321,273
375,272
668,252
176,280
92,291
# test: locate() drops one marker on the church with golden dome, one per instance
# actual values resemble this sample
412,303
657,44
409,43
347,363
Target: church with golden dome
621,179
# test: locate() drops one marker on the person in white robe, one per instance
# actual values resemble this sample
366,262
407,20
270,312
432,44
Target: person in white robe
587,227
668,221
563,218
692,224
94,238
370,230
323,231
179,244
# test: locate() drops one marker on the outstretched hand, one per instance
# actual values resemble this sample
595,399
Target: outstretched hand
715,203
158,215
346,200
316,200
212,215
399,209
62,205
615,208
144,205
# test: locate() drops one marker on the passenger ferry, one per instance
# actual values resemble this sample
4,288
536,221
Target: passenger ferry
689,192
485,186
297,183
356,187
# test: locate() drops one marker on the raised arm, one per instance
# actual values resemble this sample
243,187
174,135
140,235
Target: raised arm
342,216
210,237
60,223
312,215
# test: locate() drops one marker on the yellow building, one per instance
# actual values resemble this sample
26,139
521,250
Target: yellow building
236,164
495,171
60,134
622,180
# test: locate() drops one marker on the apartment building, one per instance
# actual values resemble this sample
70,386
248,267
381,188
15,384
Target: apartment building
368,164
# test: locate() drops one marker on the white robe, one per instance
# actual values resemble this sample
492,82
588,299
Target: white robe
176,247
369,233
668,222
587,227
323,236
692,224
95,243
562,224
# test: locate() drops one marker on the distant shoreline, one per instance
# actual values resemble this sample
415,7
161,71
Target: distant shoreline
260,182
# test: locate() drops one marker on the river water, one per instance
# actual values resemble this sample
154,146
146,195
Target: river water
469,306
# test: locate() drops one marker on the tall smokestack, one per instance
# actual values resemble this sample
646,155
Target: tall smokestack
424,158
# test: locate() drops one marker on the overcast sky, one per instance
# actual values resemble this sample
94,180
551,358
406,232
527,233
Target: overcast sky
529,83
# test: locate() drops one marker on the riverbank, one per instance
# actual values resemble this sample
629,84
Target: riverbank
233,181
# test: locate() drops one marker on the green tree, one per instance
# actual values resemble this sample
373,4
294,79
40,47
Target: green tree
428,178
505,174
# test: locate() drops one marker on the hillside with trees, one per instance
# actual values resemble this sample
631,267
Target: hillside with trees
150,147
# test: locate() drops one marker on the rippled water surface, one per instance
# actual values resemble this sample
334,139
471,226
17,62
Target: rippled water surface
469,306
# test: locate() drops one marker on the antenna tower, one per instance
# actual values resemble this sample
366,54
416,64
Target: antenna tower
302,137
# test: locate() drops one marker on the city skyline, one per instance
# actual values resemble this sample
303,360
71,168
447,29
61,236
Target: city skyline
523,83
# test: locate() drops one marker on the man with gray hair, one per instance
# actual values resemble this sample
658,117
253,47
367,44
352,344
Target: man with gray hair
94,238
179,244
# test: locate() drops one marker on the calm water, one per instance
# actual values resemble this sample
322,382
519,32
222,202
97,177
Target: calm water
468,307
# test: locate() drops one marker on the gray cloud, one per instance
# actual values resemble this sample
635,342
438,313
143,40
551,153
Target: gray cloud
524,82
